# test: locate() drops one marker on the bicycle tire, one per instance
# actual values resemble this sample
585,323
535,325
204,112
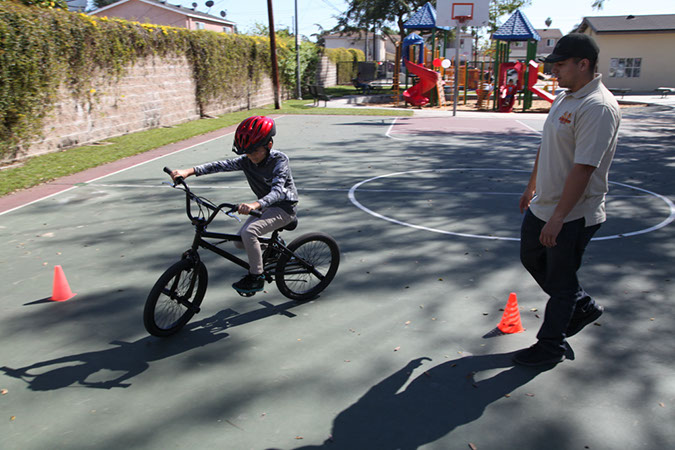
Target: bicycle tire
297,282
164,315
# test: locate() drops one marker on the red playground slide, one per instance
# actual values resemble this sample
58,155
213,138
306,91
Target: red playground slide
532,80
428,79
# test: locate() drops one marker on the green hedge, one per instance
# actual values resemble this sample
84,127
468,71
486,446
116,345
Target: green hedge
336,55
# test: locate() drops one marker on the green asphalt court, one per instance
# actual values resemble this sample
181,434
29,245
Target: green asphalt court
399,352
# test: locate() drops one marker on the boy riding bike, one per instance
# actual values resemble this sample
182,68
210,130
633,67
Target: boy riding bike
269,175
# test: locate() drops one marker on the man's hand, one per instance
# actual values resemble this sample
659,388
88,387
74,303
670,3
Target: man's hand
525,200
246,208
550,232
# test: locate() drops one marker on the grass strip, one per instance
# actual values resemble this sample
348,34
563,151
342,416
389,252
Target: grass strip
44,168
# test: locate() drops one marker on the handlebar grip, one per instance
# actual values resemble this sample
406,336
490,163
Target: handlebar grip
256,213
177,180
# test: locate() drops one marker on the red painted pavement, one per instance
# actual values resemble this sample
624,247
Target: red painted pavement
435,126
24,197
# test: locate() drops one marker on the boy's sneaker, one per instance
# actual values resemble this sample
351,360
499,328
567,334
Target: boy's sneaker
579,321
249,284
537,356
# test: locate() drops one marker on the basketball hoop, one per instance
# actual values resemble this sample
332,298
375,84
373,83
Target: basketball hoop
462,12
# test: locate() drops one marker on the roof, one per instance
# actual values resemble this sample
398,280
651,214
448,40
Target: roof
631,23
549,32
424,19
189,12
516,28
355,36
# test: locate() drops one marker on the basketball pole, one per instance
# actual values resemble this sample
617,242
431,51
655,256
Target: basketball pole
456,90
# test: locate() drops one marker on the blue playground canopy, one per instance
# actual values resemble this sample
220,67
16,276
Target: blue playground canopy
517,28
424,19
413,39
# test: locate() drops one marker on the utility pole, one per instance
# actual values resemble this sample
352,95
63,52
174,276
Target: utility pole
273,51
297,54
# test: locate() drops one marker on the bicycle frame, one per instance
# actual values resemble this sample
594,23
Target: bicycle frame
201,223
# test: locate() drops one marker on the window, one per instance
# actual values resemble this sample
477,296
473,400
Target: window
518,44
461,43
625,67
227,30
199,25
550,42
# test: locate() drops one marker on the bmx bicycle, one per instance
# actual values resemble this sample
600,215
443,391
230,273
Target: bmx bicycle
301,269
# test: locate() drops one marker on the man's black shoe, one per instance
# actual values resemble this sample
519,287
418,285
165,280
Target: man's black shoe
578,322
250,284
537,356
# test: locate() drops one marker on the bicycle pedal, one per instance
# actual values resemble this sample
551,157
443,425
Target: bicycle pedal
246,294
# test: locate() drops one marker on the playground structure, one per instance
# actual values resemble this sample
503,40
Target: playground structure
435,73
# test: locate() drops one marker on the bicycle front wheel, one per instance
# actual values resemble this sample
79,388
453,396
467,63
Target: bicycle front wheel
175,298
303,276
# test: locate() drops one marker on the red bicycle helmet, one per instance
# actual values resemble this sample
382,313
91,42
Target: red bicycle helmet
252,133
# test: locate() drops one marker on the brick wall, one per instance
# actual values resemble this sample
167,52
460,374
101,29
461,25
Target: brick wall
153,93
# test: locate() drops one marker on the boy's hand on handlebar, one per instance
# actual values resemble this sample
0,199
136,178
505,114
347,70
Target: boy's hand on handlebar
182,173
246,208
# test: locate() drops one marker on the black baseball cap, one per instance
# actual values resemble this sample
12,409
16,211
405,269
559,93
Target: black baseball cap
574,45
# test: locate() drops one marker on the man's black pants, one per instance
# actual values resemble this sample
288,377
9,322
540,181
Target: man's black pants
555,270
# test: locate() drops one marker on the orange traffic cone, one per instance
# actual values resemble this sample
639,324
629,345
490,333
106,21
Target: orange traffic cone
511,318
60,291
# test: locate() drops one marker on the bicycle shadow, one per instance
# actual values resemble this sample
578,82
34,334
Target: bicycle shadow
431,406
134,358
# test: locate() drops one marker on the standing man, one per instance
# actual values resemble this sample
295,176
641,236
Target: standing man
570,181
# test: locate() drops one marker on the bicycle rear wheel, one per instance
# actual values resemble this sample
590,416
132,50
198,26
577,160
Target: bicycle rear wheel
303,276
175,298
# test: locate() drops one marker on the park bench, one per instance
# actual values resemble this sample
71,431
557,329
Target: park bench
664,91
620,91
318,93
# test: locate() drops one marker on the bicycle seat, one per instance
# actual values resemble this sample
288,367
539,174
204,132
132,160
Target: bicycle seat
290,226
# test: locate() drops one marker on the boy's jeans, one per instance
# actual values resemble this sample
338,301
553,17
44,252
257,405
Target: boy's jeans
272,218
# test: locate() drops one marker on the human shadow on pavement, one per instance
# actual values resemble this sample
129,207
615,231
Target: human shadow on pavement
133,358
431,406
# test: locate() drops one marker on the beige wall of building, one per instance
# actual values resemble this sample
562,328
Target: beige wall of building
143,13
137,11
618,50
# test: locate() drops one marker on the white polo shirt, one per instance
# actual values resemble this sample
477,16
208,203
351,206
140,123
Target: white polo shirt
581,128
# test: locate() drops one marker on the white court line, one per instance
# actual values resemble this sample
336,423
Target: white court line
389,135
118,171
384,191
352,198
527,126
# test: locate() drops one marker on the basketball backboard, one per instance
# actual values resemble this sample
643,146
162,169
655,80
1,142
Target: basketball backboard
476,11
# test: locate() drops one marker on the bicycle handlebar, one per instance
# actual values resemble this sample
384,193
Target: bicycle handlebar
203,201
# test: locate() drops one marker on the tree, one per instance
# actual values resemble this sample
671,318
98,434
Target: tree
374,14
498,8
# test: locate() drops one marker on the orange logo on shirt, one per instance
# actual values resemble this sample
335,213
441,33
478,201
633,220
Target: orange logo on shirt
566,118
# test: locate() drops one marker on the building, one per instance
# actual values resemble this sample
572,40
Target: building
466,48
77,5
635,51
376,47
549,37
162,13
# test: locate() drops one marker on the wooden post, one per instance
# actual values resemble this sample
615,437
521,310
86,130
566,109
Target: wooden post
273,52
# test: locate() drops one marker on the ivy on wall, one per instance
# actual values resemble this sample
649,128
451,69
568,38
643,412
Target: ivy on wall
42,49
45,48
